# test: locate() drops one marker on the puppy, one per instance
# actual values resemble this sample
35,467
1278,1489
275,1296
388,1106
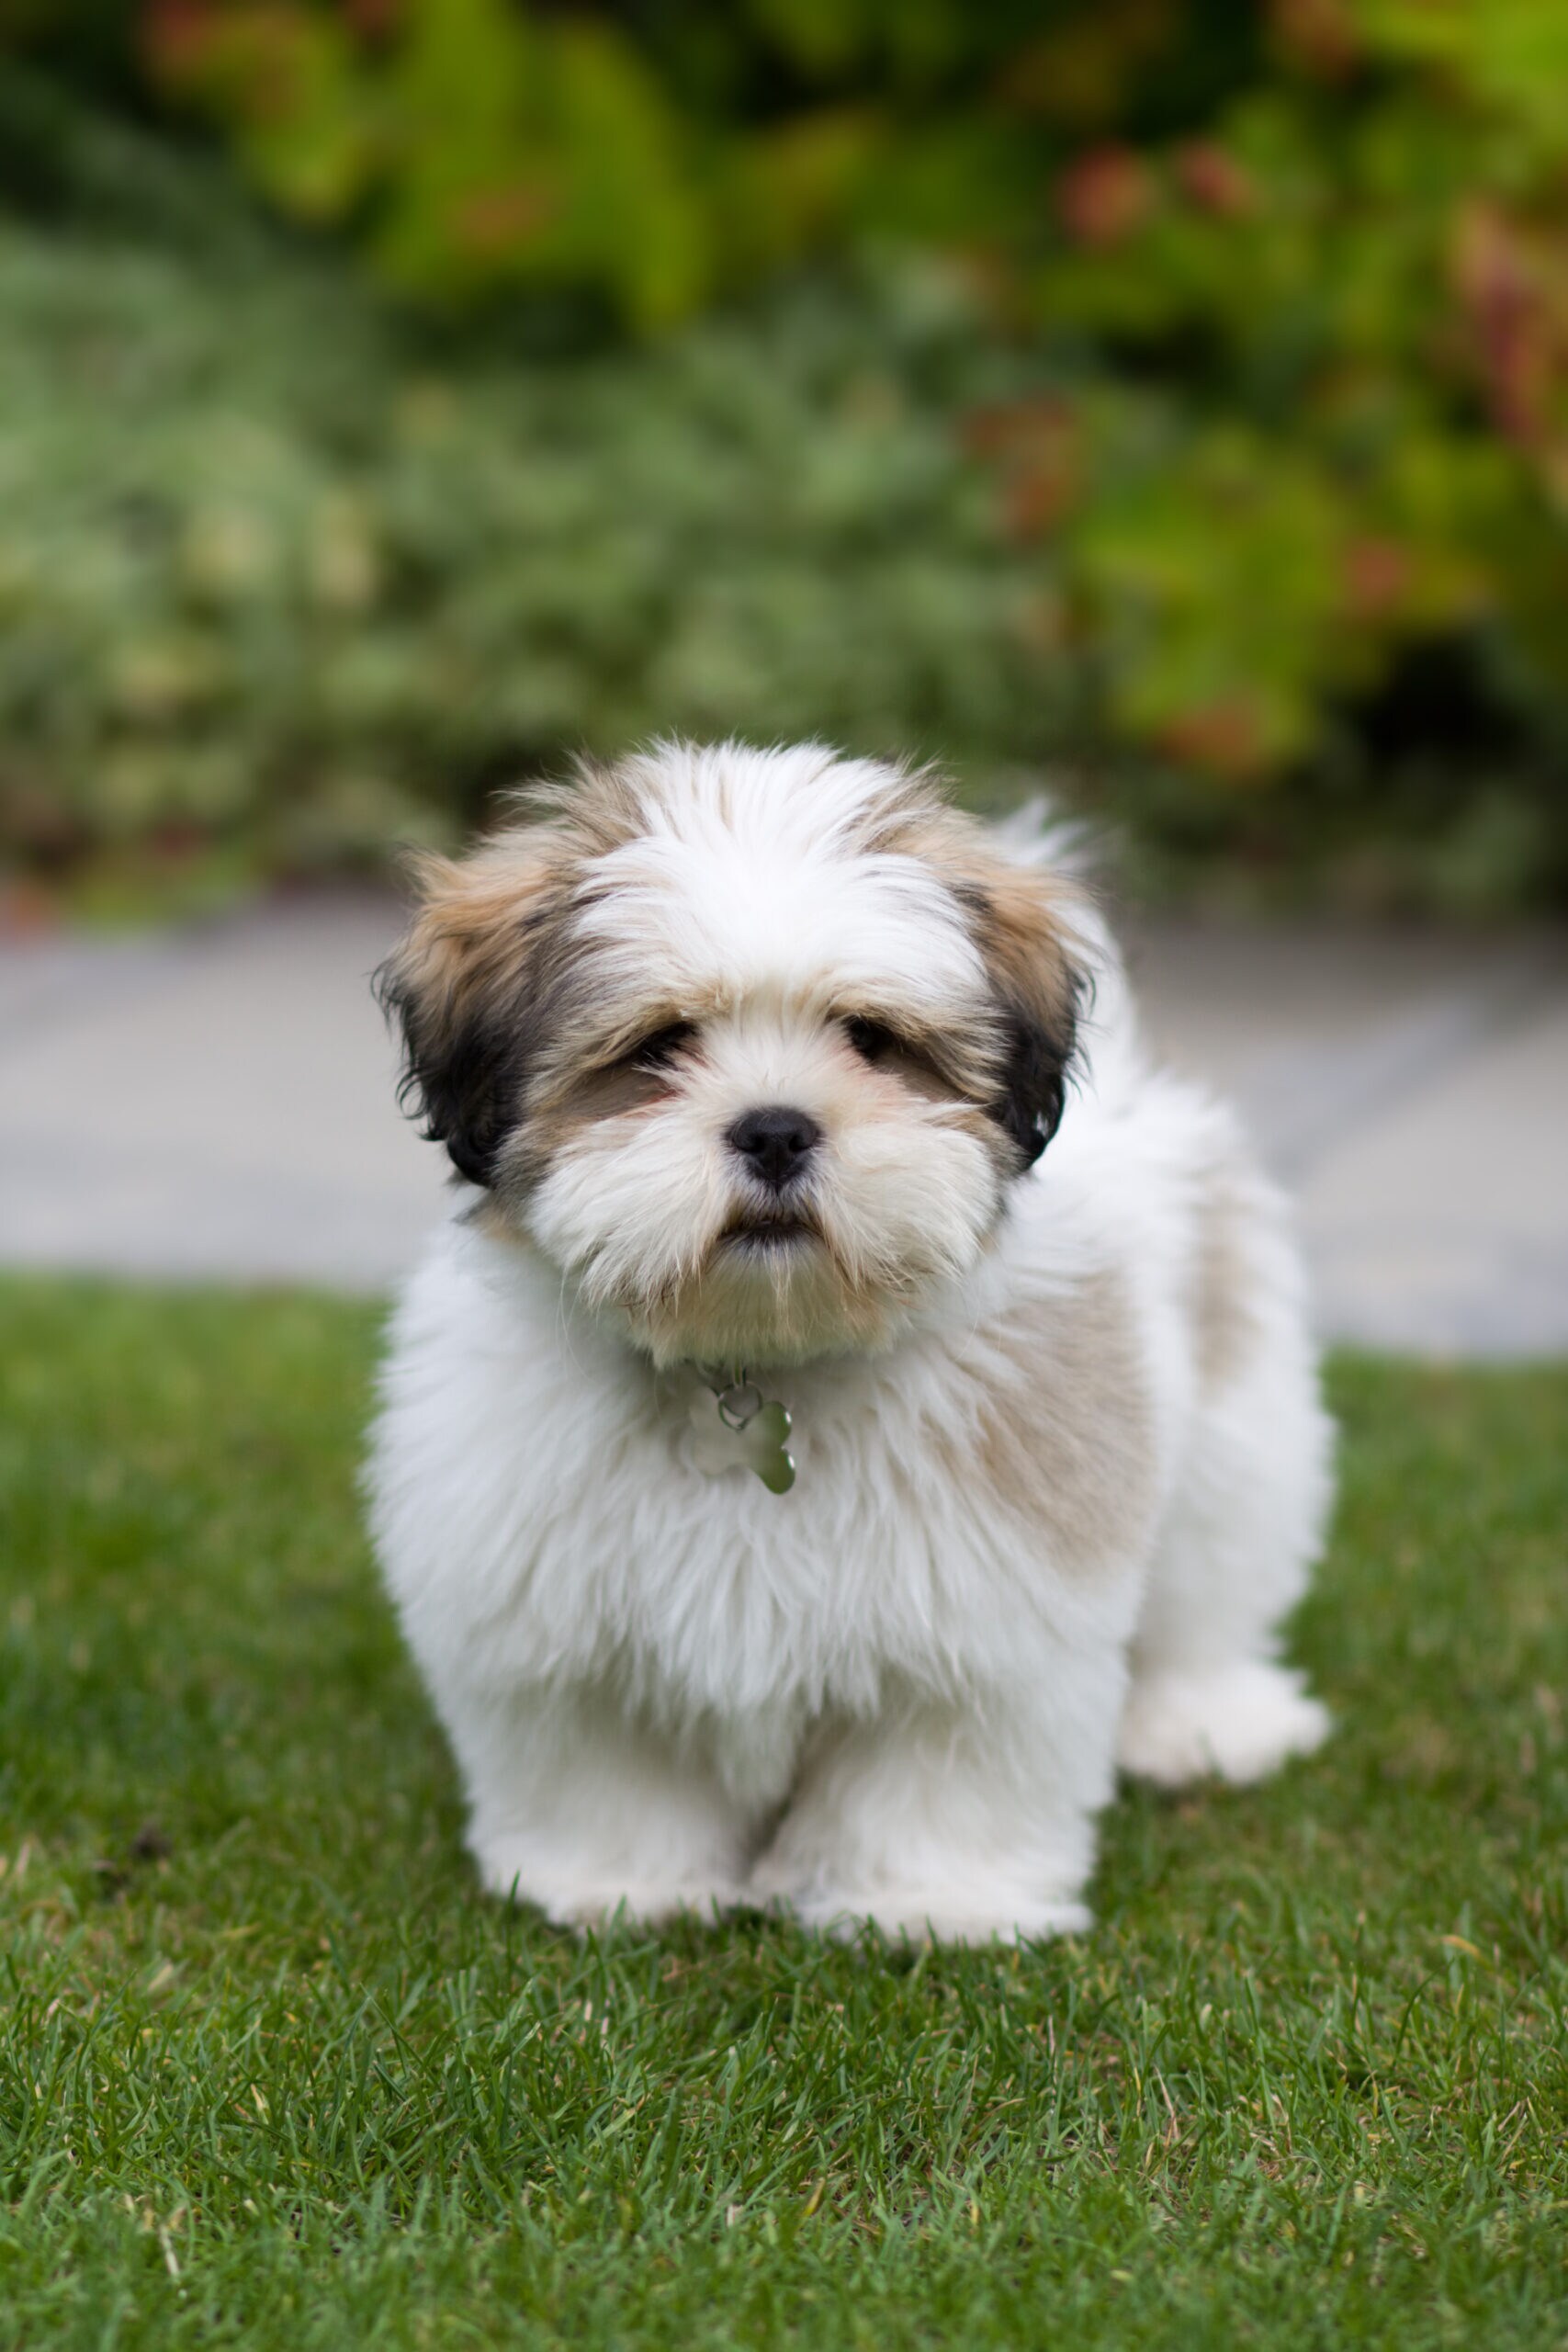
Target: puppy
858,1401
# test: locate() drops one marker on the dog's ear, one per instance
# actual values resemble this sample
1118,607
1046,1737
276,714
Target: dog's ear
1023,919
463,986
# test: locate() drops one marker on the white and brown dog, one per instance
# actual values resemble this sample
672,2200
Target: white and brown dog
796,1488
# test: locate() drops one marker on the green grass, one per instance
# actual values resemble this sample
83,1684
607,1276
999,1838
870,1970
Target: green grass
272,2073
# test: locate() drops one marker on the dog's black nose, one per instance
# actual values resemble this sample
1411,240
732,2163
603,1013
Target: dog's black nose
777,1143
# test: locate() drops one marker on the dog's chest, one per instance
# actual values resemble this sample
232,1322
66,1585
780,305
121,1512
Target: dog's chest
708,1591
549,1511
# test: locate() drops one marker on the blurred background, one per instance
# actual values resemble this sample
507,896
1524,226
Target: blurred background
1166,397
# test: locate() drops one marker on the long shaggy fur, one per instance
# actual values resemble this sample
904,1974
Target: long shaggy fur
1037,1318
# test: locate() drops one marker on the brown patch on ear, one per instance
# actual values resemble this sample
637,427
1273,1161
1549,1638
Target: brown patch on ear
465,982
1021,919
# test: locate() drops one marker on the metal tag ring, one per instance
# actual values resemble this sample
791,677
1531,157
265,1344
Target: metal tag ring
740,1403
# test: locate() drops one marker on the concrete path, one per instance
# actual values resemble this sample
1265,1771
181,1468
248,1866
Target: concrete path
220,1104
1412,1092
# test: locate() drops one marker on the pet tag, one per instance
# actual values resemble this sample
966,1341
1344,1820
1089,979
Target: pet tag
738,1429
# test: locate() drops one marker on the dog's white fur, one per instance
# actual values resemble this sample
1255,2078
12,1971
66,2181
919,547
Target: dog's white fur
1062,1467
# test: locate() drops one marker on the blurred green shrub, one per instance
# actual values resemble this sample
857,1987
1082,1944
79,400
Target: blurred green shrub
1304,266
653,159
1231,454
275,588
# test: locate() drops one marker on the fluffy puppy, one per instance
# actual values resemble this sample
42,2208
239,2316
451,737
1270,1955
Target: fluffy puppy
857,1399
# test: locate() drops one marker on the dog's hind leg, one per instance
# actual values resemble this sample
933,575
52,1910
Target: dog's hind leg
1244,1525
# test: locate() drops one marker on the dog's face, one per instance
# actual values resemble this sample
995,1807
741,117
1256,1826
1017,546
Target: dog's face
751,1045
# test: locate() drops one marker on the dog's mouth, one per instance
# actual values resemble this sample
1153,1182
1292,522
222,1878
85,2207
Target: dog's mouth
778,1229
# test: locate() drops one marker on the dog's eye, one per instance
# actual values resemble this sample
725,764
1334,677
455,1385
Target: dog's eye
659,1048
871,1039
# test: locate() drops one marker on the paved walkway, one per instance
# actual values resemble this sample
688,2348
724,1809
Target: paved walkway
220,1104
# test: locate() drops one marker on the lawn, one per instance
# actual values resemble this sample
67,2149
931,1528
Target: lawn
272,2074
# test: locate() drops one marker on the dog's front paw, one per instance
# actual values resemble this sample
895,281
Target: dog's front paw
925,1915
595,1898
1240,1722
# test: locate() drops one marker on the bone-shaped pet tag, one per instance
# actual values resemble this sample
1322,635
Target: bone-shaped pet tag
738,1429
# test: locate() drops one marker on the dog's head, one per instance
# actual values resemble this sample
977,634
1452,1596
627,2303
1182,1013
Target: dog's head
751,1044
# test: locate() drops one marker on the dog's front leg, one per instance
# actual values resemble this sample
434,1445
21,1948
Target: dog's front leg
962,1822
575,1806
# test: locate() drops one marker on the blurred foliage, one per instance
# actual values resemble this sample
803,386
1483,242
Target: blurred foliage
275,584
1241,447
650,160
